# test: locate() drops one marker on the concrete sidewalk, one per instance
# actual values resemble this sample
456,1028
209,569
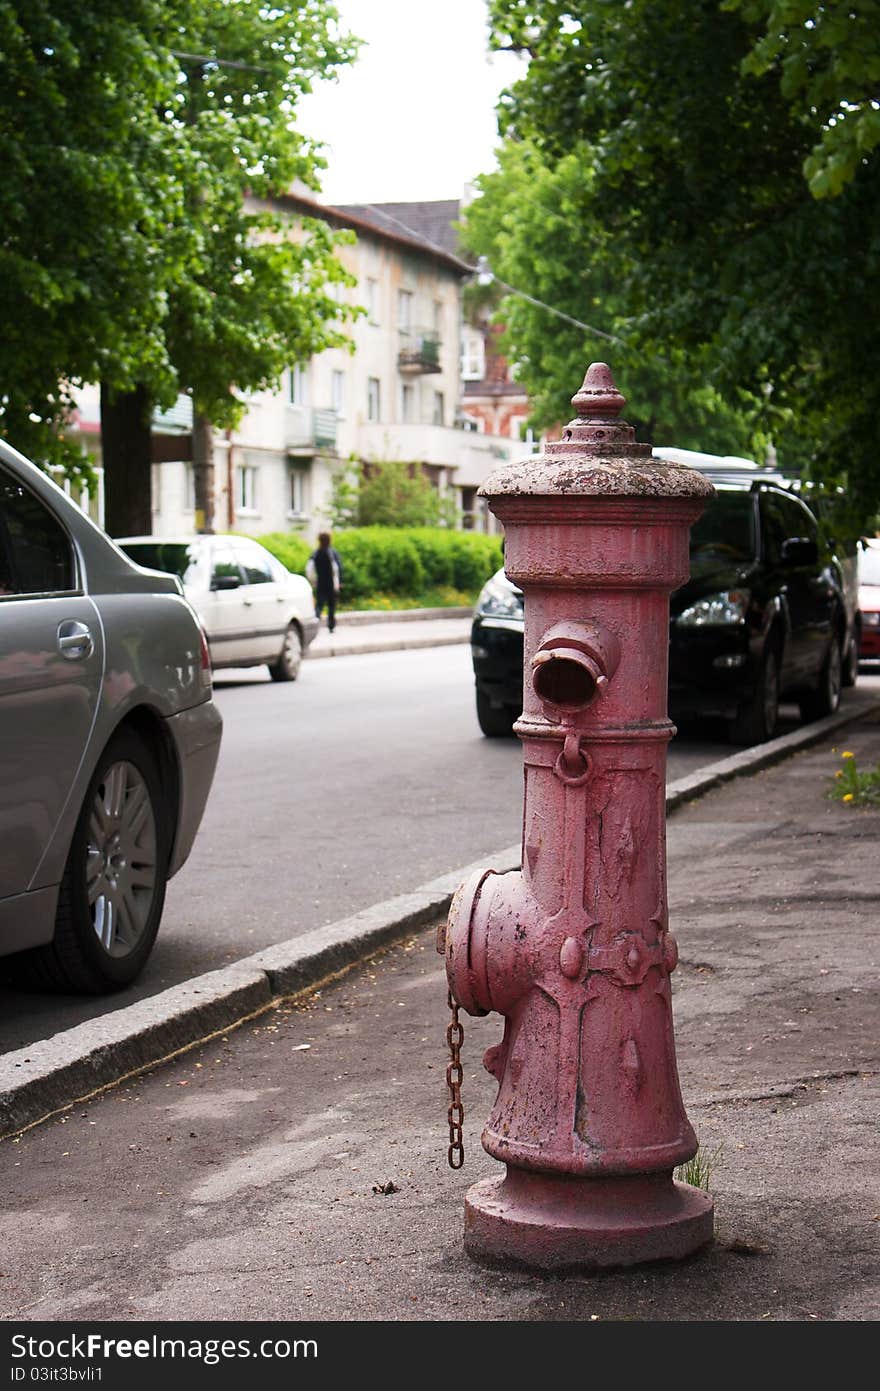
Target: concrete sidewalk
366,630
294,1169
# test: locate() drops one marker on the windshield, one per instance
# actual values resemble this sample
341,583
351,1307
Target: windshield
869,565
726,530
175,557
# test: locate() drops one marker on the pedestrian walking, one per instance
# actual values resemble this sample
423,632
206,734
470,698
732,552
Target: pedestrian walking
324,573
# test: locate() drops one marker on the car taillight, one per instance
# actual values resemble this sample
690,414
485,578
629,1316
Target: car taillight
205,659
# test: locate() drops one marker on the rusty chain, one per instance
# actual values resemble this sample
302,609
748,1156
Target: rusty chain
454,1077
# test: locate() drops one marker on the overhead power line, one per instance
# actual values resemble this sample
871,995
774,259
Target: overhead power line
485,276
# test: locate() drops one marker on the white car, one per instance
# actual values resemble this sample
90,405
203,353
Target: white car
253,610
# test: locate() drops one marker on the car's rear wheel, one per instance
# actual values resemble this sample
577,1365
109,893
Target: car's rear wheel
289,662
825,699
850,671
757,718
496,721
113,890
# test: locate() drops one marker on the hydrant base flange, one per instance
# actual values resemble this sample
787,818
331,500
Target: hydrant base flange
546,1222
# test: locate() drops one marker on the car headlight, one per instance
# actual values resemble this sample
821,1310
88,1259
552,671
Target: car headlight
498,600
716,610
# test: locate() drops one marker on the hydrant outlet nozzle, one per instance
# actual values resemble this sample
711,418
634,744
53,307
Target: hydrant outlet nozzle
573,665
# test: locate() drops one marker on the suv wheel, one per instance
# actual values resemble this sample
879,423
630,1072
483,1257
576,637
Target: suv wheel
825,699
850,671
756,719
496,721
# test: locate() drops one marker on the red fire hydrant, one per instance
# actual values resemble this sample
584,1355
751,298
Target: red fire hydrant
574,950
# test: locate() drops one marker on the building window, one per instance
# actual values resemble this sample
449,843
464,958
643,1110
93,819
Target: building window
438,317
404,309
337,392
439,408
373,402
407,403
299,491
371,294
473,357
298,386
189,488
245,488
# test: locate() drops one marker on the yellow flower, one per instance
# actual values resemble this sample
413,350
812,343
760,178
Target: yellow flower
839,773
847,753
848,797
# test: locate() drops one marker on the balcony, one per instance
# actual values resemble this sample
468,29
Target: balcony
309,429
418,353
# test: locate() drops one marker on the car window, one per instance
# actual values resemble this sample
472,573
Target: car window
36,556
175,557
255,565
223,563
783,518
725,531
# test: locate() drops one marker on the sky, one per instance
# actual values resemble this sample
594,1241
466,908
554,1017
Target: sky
413,119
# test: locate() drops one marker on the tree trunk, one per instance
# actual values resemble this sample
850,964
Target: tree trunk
125,446
203,472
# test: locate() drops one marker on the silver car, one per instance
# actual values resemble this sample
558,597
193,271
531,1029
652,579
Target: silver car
109,738
254,611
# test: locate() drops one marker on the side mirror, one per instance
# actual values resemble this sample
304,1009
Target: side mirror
225,581
799,550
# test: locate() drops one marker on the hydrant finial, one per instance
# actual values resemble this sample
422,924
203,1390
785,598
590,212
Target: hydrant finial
598,396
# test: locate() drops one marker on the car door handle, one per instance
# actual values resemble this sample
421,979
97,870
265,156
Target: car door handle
74,640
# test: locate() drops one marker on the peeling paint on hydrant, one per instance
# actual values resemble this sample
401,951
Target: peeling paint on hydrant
574,951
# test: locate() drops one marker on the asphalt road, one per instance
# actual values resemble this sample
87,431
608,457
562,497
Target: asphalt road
364,778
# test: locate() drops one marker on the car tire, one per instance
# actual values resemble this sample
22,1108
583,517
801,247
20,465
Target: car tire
850,670
288,664
496,721
113,889
756,719
825,699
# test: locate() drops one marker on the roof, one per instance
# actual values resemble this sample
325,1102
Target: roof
722,468
364,217
428,222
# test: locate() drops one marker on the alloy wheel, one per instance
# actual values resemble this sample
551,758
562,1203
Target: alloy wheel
771,694
835,675
121,859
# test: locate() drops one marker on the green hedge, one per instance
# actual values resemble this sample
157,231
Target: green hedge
291,550
399,560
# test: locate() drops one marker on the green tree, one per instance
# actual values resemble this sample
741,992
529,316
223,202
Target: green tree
713,240
827,58
139,249
522,224
258,292
90,213
395,493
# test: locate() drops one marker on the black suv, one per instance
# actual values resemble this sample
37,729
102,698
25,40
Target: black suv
762,616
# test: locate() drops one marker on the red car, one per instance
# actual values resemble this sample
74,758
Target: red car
869,600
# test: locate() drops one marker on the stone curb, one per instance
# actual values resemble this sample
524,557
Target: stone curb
752,760
346,617
350,647
57,1072
61,1071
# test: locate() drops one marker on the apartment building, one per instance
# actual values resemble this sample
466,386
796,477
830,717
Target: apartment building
396,396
